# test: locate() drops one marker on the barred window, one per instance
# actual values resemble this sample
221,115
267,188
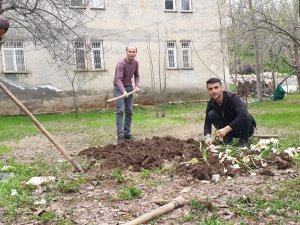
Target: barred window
97,4
13,56
80,59
170,5
186,5
77,3
97,54
171,54
186,54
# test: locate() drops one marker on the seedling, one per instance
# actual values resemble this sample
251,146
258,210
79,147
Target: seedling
129,193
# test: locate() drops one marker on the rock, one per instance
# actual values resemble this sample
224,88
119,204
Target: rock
40,180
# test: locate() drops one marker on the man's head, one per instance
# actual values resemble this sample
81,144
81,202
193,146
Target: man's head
215,89
130,52
4,25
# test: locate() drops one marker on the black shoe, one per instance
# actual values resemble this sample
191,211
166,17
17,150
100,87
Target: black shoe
227,139
243,142
120,140
128,137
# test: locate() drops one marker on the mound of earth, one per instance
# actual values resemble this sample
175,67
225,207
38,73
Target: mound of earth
186,156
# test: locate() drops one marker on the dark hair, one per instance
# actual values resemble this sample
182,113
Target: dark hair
4,23
213,80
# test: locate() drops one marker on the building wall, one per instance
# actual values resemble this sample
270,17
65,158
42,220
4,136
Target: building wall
119,24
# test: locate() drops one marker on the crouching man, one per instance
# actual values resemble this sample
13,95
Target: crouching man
228,114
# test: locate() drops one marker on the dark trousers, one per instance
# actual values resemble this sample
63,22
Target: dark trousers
123,106
244,131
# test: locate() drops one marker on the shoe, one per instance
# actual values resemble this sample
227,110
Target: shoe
120,140
128,137
243,142
227,139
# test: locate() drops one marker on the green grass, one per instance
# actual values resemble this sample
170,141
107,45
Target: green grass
23,197
18,127
284,203
277,116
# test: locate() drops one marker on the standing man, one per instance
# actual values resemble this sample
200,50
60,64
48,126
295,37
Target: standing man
228,114
126,69
4,25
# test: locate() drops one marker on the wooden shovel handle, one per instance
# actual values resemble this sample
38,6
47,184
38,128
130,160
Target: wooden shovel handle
119,97
41,127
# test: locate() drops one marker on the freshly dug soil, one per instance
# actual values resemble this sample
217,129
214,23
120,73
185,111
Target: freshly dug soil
160,151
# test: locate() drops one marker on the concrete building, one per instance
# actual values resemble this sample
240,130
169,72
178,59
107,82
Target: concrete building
176,39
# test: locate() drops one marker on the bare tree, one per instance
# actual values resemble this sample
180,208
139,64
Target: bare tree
50,24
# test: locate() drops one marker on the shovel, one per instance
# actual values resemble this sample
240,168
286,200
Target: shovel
119,97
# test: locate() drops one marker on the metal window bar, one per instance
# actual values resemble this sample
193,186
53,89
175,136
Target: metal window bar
171,54
97,54
14,56
186,54
77,3
80,55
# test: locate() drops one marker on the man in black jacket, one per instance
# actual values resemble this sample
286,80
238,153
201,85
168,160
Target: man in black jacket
228,114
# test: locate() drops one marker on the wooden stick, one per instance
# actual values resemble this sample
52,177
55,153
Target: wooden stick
42,129
119,97
174,204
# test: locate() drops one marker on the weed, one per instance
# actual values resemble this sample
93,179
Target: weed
129,193
117,175
145,174
71,186
47,216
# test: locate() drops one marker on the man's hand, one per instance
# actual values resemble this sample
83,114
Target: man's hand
137,89
222,132
208,141
125,94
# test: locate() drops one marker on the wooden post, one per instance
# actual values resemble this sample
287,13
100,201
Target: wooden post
174,204
42,129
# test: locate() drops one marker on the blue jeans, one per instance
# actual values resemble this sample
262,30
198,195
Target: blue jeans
245,130
123,105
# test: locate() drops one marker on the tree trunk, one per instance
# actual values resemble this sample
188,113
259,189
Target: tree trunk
296,45
256,53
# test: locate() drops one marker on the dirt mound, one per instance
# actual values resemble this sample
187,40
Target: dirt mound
187,157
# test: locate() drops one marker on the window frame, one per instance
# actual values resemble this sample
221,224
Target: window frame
99,7
15,60
174,6
174,50
101,49
78,6
83,49
190,5
189,55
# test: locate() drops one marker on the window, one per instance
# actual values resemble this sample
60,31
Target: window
80,55
171,54
170,5
186,54
186,5
13,56
97,4
97,54
77,3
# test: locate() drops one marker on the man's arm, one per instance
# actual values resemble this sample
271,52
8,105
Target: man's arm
137,77
207,126
241,111
119,77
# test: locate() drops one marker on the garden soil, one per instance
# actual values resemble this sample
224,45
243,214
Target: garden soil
177,168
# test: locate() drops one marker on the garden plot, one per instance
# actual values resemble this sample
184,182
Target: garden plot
188,157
